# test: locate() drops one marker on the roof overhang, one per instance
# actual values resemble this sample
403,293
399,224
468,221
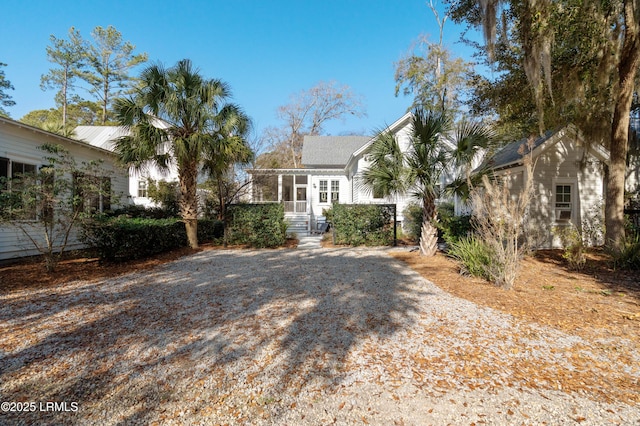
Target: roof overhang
597,150
8,121
295,172
394,127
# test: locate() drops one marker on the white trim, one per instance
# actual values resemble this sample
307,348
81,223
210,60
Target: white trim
393,128
8,121
575,200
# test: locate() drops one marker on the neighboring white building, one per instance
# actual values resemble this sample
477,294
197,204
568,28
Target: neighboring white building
568,181
19,153
332,169
104,137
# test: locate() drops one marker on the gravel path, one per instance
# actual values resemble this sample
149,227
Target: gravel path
295,337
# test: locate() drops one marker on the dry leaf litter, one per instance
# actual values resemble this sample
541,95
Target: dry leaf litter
292,337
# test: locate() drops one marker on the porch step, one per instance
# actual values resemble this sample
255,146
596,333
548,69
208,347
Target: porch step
297,226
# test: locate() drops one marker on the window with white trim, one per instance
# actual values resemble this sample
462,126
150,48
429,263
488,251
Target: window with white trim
564,202
323,191
335,191
13,175
93,192
143,188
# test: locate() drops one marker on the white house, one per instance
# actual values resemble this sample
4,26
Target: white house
19,153
568,181
138,192
332,167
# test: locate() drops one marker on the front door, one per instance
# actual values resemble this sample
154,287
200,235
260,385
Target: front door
301,199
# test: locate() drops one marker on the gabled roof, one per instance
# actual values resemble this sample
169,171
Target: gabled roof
511,153
509,156
330,151
75,141
100,136
393,128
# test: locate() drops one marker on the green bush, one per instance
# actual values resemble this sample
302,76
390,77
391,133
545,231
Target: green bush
257,225
124,238
210,230
360,224
451,227
573,244
141,212
629,255
412,223
167,195
474,256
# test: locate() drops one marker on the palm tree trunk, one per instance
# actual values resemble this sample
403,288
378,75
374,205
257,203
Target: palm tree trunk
428,233
189,202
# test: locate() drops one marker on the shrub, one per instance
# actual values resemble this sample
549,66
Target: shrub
474,256
412,223
124,238
142,212
167,194
499,219
574,246
257,225
628,257
452,227
210,230
359,224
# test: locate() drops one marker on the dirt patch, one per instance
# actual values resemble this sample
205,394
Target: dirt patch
595,302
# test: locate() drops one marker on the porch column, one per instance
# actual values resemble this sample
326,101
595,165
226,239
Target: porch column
309,197
279,188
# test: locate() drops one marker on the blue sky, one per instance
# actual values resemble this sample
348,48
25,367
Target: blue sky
265,50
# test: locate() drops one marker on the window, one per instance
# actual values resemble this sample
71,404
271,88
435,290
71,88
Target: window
14,199
335,191
47,180
4,172
564,203
21,169
143,188
93,192
323,191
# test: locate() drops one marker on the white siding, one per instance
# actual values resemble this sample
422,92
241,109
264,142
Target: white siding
560,164
19,143
313,193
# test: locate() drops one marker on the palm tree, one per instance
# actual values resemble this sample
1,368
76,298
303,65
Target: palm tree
418,170
231,152
178,117
470,141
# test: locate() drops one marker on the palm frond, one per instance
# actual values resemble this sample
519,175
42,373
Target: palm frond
386,173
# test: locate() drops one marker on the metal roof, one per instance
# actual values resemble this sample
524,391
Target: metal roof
509,154
330,151
100,136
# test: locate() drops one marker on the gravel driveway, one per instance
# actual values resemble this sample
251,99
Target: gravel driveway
344,336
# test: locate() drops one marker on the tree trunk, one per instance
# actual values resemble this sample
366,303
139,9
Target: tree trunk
222,213
64,100
428,232
189,202
629,61
105,100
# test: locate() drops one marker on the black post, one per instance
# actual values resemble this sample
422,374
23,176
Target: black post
395,226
